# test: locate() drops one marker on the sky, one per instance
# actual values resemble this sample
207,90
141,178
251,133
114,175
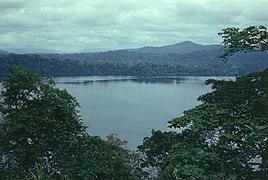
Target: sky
100,25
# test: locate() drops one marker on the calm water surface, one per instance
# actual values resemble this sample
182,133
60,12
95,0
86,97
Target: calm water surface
132,106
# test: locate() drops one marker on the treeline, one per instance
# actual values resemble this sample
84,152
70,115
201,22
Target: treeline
54,65
67,67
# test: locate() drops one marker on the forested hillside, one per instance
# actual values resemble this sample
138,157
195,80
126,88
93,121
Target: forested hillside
179,48
201,62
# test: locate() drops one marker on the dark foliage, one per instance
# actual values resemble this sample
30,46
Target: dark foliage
199,63
41,131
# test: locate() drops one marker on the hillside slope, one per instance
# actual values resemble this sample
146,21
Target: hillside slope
201,60
179,48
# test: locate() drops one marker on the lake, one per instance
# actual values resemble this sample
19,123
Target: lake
132,106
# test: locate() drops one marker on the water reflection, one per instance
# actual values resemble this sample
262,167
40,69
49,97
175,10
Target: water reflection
144,80
161,80
132,106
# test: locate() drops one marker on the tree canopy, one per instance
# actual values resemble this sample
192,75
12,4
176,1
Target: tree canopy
226,136
230,126
40,122
41,132
252,38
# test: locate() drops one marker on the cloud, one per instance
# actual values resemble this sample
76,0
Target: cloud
72,26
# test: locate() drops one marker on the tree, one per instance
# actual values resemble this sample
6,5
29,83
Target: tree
226,136
230,125
42,135
107,159
252,38
153,150
39,124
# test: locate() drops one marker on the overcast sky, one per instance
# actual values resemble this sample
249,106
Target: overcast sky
100,25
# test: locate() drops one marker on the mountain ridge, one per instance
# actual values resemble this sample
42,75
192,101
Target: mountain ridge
178,48
199,60
4,52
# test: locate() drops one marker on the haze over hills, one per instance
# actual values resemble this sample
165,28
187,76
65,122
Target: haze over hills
186,58
30,51
3,52
179,48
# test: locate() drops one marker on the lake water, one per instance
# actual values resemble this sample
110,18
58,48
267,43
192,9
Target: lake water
132,106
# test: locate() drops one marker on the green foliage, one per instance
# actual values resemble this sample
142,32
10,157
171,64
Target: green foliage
224,137
108,159
39,174
43,137
40,123
200,63
230,125
252,38
153,150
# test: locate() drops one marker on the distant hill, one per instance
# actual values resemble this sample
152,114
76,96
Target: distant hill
3,52
179,48
182,59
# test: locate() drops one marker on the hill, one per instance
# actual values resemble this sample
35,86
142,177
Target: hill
179,48
3,52
199,60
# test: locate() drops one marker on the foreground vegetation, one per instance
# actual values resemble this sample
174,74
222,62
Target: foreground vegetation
225,137
40,127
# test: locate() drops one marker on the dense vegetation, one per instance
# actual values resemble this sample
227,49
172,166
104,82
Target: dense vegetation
250,39
55,67
41,131
225,137
123,62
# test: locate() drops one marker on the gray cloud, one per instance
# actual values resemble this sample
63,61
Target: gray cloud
73,26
